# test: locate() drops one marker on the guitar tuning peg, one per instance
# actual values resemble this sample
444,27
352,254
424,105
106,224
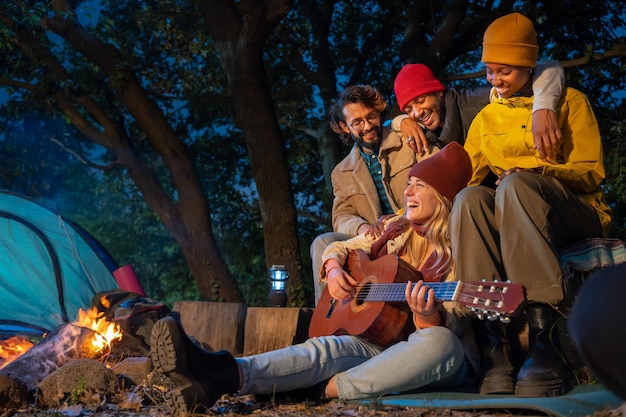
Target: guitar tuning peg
505,319
491,315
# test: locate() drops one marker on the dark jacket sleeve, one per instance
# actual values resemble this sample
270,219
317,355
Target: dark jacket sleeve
470,102
461,106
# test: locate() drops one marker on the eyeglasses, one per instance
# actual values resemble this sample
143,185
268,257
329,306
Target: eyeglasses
359,124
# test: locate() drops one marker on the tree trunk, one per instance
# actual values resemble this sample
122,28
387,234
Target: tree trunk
240,39
269,166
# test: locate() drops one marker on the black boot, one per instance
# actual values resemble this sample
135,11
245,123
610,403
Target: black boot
544,373
496,371
201,377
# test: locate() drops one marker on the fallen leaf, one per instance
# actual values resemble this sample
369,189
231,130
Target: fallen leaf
129,401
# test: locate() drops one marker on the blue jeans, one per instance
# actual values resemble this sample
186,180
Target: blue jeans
316,250
431,358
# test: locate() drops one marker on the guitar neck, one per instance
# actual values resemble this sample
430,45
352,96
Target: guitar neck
395,292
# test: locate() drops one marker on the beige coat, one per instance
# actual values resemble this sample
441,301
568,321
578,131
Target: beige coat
356,200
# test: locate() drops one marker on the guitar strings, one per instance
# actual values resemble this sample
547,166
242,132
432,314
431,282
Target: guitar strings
444,291
396,291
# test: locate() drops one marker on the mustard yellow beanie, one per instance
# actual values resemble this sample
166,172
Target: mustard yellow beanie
511,40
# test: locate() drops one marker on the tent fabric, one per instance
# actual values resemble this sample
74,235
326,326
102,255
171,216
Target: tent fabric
50,268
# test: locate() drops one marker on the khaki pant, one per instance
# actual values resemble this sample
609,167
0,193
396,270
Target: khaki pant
513,233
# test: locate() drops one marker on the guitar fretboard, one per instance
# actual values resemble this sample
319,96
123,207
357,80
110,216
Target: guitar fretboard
485,297
395,292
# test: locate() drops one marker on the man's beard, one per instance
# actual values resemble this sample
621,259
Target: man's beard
366,145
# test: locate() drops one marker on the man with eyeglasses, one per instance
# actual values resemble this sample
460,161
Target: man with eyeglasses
370,181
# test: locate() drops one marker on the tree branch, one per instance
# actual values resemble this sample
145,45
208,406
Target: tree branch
18,84
617,51
324,221
82,159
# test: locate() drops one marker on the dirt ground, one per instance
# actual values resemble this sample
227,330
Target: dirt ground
152,405
147,399
332,409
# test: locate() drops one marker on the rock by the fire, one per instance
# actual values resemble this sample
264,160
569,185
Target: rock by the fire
134,370
83,378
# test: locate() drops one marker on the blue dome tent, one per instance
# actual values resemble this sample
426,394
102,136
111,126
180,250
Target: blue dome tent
49,268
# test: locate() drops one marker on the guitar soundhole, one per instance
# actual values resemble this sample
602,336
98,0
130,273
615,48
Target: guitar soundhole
359,302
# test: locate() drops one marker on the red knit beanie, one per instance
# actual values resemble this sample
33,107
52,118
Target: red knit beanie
447,171
415,80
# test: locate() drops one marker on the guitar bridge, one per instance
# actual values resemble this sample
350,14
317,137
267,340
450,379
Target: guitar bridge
331,308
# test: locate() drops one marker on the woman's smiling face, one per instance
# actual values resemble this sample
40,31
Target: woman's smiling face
507,79
421,201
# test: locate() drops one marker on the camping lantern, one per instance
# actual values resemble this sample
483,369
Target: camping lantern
278,276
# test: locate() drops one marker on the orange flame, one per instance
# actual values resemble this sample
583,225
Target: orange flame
13,348
106,332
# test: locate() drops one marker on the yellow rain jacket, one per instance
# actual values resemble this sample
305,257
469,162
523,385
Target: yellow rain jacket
501,138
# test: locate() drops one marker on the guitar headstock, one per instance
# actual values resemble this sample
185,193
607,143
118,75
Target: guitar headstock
493,299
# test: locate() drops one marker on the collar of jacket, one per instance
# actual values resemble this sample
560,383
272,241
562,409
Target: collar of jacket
389,141
514,101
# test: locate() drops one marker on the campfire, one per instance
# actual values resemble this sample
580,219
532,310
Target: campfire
34,370
105,333
88,337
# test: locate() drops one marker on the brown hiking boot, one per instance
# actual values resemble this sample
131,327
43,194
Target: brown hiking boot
201,377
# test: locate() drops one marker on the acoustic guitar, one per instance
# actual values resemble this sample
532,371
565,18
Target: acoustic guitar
378,311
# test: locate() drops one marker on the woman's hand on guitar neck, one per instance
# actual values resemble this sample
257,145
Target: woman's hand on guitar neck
340,284
421,300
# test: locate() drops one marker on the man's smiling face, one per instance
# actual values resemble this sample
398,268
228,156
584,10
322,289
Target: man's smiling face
427,110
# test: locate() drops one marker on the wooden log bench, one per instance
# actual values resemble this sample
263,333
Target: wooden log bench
271,328
215,326
243,330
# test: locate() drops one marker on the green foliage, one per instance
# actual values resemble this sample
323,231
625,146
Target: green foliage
114,212
77,393
615,184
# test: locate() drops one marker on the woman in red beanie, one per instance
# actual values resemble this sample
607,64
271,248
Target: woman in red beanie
439,354
512,233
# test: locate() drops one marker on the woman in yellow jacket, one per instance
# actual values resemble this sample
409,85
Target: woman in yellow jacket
513,232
